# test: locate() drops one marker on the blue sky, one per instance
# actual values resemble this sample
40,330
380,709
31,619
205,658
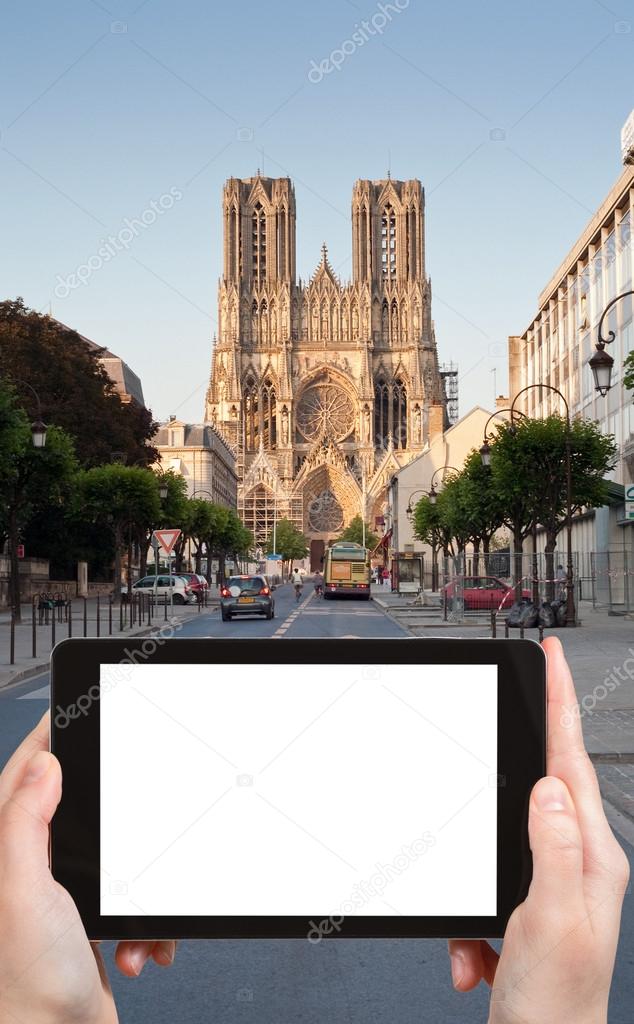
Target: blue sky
107,107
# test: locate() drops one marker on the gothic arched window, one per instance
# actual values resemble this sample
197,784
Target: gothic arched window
388,242
269,421
381,413
258,244
251,414
399,414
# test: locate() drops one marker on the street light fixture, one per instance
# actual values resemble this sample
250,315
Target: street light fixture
38,427
163,489
433,493
601,362
485,450
570,602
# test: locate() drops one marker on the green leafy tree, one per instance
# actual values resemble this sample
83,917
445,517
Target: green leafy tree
123,500
354,533
32,481
628,375
429,529
75,391
291,543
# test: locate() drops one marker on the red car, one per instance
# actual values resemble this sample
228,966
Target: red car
482,593
197,583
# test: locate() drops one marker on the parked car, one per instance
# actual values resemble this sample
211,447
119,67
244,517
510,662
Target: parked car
246,595
182,593
197,582
482,593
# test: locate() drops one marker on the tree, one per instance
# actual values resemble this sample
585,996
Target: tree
75,391
32,480
628,376
429,529
354,534
124,500
482,505
292,545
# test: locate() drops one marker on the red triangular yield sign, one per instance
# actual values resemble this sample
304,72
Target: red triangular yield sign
167,539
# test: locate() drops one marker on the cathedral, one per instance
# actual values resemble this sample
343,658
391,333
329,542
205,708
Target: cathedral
324,389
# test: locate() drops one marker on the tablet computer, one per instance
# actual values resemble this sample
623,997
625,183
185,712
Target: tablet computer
309,788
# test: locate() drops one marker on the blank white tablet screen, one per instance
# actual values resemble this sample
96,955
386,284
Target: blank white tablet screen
298,790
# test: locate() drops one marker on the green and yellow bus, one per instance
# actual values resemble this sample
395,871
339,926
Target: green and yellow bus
347,570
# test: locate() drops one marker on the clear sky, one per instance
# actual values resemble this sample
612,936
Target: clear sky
108,107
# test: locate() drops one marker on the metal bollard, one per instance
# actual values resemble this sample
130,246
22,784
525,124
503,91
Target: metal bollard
33,633
541,633
521,632
85,616
165,603
70,617
53,629
149,609
110,614
12,641
98,616
121,613
506,630
493,624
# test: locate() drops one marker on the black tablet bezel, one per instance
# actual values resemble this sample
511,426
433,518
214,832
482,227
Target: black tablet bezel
75,740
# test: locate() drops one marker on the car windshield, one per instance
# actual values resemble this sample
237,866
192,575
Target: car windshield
250,585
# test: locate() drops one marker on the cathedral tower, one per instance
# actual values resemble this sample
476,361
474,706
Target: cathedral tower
323,388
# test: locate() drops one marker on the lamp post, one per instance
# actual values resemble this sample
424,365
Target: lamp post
601,362
570,602
433,493
485,450
38,438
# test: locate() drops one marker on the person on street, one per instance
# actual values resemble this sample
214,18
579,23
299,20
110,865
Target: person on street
297,580
318,583
556,960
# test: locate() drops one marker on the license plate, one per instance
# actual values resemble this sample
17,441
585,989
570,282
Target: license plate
246,600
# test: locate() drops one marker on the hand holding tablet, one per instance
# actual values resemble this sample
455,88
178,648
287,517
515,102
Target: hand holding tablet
48,971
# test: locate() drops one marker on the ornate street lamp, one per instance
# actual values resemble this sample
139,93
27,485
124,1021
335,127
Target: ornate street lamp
433,493
485,450
601,362
38,427
570,602
162,488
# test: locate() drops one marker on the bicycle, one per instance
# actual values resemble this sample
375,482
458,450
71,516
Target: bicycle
298,591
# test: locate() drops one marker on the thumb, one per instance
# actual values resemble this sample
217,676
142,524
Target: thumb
26,815
557,847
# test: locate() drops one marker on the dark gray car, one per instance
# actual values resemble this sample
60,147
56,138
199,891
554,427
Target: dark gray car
246,595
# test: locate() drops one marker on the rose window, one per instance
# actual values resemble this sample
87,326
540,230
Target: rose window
325,513
325,409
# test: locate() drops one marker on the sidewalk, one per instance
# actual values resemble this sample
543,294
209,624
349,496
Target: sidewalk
26,665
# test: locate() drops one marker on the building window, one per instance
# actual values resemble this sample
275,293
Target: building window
251,415
388,243
399,414
269,421
258,244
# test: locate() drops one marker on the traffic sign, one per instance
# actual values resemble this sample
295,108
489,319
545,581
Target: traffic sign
274,558
167,539
629,501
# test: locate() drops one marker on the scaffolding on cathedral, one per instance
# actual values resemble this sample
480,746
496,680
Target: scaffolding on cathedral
449,374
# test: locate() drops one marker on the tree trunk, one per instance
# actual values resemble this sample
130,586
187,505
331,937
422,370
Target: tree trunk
551,544
535,568
14,566
476,558
117,562
518,543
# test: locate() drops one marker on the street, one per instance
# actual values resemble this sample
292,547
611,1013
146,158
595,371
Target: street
273,981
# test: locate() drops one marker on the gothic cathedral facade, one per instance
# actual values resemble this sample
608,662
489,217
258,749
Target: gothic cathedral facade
324,389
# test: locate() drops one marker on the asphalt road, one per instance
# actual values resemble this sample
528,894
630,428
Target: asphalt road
356,982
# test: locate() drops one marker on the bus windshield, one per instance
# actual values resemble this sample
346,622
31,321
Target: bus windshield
348,553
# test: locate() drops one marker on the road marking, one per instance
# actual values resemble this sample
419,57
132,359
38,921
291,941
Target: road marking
290,618
41,694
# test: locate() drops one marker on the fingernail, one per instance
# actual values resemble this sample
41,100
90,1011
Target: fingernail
166,955
137,957
37,767
457,968
551,795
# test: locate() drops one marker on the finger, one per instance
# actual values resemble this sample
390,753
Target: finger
557,849
12,773
567,759
164,952
471,961
26,815
131,957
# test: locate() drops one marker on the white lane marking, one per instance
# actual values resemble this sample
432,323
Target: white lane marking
41,694
290,618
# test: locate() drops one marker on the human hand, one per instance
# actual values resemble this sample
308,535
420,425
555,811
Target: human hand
49,971
559,948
